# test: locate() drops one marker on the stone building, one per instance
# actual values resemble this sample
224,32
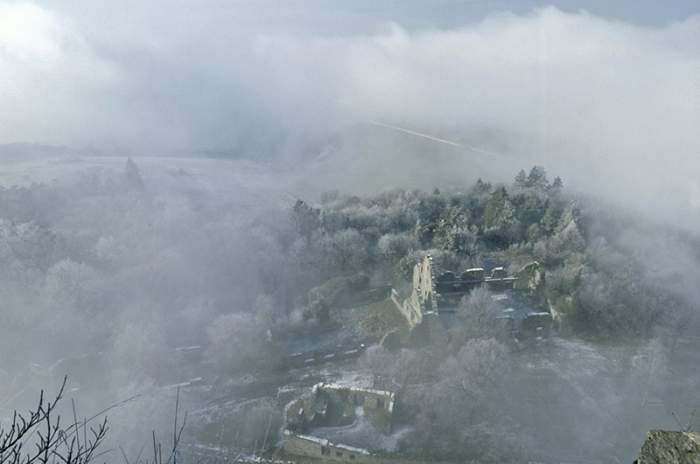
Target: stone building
309,446
437,294
332,405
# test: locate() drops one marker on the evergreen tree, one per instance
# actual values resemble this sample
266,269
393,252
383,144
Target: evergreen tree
537,178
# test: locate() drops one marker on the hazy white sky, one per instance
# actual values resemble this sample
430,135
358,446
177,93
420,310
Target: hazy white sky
208,74
612,93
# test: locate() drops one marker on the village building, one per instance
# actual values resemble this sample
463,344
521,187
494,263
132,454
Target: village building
332,407
435,297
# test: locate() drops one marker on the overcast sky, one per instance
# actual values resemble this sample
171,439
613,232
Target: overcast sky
592,90
207,74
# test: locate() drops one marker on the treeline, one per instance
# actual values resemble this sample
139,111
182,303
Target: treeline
600,287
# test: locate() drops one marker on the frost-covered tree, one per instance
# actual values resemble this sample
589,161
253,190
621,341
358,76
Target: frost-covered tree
478,316
238,340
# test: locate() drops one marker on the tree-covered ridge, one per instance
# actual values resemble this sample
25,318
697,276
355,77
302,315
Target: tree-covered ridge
598,285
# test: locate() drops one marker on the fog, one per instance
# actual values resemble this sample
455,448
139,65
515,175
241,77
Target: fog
585,95
231,111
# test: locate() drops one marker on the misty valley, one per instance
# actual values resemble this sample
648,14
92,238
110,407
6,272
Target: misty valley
349,232
493,322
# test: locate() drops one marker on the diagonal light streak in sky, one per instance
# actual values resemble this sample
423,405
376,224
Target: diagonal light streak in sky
430,137
417,134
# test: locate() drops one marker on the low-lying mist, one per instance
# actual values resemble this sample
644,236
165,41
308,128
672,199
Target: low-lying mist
109,267
612,106
147,224
113,267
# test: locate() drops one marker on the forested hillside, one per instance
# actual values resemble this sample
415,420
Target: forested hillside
596,278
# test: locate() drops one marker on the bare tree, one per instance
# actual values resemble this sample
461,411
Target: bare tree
171,455
39,437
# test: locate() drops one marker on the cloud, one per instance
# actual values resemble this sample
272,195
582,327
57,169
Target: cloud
52,83
612,107
606,104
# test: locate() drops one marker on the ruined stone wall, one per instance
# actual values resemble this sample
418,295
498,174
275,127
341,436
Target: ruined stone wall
411,309
304,448
424,282
319,448
530,278
300,412
442,294
447,289
299,447
377,405
423,295
351,397
343,401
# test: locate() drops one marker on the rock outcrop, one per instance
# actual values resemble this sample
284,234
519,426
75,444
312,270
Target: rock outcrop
664,447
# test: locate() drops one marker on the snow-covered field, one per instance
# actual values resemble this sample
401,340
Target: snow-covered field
224,176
